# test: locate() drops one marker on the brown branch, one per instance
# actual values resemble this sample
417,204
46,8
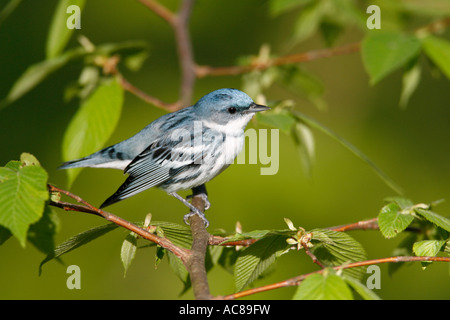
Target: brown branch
185,52
203,71
147,98
160,10
297,280
360,225
181,253
196,262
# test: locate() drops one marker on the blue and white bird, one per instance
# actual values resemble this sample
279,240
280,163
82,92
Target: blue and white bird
180,150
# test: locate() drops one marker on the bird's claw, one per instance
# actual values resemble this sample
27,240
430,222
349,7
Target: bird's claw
204,197
199,213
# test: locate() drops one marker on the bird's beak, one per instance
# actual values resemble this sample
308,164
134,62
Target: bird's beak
257,107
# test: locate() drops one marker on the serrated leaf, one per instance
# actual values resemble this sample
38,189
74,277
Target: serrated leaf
428,248
334,248
257,258
36,73
361,289
383,53
23,192
435,218
438,50
77,241
128,251
93,124
392,220
327,286
315,124
59,34
179,235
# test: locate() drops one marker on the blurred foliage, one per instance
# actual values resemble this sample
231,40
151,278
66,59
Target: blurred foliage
59,82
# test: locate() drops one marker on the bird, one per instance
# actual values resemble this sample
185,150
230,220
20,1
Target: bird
180,150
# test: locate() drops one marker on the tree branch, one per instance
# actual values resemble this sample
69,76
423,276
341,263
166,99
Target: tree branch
297,280
203,71
160,10
181,253
185,53
196,262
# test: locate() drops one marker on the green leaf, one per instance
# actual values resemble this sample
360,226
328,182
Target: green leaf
23,192
93,124
327,286
128,251
410,81
334,248
36,73
180,235
282,120
257,258
435,218
59,34
304,140
438,50
382,53
392,220
361,289
428,248
314,124
77,241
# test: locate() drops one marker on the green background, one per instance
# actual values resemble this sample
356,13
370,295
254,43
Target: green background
412,146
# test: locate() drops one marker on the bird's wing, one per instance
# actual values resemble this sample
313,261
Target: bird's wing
162,160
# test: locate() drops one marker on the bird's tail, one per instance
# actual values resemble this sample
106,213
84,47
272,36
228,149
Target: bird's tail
80,163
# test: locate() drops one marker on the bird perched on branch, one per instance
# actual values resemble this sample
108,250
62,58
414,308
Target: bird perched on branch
180,150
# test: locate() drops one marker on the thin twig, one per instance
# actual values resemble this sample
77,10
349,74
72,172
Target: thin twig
203,71
185,52
147,98
297,280
360,225
160,10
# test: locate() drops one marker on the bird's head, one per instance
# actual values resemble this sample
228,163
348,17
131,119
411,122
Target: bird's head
227,107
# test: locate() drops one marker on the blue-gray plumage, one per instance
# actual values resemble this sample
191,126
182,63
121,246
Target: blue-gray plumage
180,150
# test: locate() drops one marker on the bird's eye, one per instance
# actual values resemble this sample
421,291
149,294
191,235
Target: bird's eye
232,110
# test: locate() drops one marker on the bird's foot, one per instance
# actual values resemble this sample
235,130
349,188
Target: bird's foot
204,197
199,213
